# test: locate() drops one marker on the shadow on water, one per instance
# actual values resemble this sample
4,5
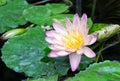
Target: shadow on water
112,53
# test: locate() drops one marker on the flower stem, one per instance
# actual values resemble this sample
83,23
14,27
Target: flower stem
93,9
100,53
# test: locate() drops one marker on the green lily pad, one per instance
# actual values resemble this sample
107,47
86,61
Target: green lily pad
56,8
44,14
52,78
103,71
97,26
24,53
11,14
89,23
3,2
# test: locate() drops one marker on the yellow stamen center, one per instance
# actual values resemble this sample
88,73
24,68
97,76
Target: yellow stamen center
73,40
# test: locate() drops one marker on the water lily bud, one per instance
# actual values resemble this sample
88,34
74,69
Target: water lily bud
12,33
107,32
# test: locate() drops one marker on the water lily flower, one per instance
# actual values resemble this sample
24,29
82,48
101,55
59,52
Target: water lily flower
71,39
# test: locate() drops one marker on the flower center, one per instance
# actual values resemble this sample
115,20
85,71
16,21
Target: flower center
73,40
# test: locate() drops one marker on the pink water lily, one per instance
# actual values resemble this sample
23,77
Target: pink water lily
71,39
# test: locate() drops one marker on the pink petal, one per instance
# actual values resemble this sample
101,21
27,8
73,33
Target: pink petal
70,50
80,51
57,47
89,53
69,25
76,21
50,40
84,18
84,23
50,33
53,34
53,54
92,38
53,41
62,53
57,53
59,28
74,61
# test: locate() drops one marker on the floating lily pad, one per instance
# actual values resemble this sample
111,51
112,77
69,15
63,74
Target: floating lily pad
53,78
24,53
97,26
11,14
104,71
3,2
45,14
